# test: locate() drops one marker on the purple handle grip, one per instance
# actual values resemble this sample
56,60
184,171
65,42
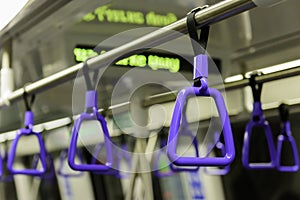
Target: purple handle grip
201,66
28,122
174,127
62,161
220,171
27,132
260,122
290,139
91,102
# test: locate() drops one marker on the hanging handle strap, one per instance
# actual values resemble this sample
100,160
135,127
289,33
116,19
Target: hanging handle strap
257,113
27,131
28,104
258,120
74,138
91,100
286,136
42,154
255,87
90,114
199,44
28,119
284,112
200,89
175,131
90,83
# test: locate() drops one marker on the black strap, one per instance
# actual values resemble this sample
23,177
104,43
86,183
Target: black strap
163,136
256,87
28,104
200,46
199,43
284,112
88,81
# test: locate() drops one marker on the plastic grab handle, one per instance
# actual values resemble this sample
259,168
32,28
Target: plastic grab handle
258,120
221,171
175,123
291,141
91,102
27,132
286,136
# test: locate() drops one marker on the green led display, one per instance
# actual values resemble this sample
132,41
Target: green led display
156,62
82,54
153,61
134,61
103,13
153,19
106,14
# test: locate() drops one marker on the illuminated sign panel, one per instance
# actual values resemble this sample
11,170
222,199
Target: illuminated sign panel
146,60
81,54
106,14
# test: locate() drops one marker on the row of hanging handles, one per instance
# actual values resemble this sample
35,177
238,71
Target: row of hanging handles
258,120
178,127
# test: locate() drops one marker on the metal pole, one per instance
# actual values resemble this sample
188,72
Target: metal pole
264,78
213,14
171,96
